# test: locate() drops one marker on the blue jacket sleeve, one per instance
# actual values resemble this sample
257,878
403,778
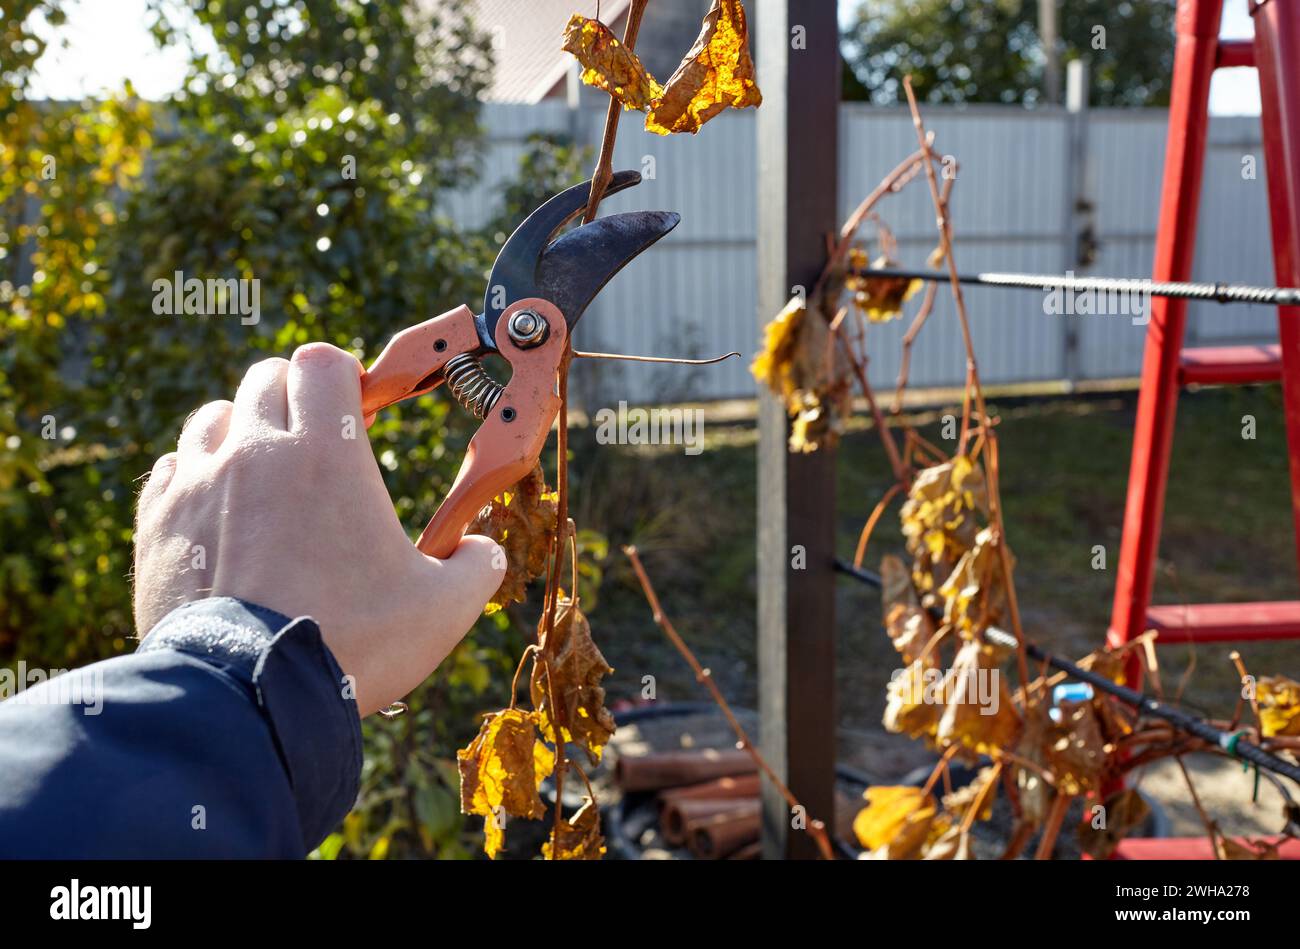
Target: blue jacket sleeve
230,732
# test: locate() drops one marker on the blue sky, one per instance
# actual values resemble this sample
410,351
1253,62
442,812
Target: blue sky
108,42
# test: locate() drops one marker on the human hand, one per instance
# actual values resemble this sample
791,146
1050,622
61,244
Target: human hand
270,500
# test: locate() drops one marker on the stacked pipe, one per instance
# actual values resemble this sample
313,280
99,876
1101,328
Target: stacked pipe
708,800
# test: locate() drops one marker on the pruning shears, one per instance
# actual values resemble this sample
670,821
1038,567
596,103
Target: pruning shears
539,287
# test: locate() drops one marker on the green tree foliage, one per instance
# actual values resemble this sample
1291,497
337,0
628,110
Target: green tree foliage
989,50
312,149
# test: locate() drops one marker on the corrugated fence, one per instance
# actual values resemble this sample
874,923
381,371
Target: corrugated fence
694,293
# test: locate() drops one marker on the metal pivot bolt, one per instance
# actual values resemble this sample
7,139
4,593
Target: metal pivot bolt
527,329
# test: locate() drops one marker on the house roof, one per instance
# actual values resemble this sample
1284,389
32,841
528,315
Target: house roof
526,36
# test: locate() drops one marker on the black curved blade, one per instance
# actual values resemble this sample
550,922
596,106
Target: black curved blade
514,272
575,268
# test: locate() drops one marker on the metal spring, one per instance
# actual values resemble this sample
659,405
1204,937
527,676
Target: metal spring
470,384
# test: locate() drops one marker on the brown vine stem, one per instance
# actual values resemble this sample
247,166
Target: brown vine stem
514,683
886,437
891,183
940,768
923,314
905,360
604,162
553,590
1052,827
1004,555
973,387
599,182
1211,830
945,245
1254,701
978,804
814,828
865,537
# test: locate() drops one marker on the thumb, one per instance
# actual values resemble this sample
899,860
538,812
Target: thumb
474,570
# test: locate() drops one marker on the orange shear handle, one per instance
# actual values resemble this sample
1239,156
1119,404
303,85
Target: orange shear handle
510,440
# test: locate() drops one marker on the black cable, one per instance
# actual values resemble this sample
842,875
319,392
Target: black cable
1215,292
1230,742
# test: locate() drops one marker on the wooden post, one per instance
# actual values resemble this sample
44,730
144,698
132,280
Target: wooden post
798,60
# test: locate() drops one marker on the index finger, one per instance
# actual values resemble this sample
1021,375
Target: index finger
324,391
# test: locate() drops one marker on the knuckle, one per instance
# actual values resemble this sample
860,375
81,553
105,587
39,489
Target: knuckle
271,366
322,354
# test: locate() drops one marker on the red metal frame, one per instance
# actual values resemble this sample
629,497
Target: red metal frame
1275,52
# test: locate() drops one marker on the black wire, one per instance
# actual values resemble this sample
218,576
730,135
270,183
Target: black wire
1215,292
1231,743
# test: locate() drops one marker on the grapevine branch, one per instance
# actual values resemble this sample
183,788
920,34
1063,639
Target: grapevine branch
600,181
814,828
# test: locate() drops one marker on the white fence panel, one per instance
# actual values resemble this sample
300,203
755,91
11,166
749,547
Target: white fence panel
694,293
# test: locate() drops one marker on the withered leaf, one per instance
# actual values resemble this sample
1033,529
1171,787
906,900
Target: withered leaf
1279,705
979,714
940,521
973,592
609,65
953,844
1035,792
896,822
793,364
881,299
912,700
500,771
1074,749
578,837
522,521
717,73
774,365
576,667
812,424
963,799
1123,812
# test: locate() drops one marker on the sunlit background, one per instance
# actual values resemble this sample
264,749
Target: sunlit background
107,42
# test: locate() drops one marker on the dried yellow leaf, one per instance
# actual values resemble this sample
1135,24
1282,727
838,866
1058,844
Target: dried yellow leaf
979,714
500,771
717,73
578,837
913,700
774,365
609,65
522,521
1074,749
953,844
1279,706
880,298
896,822
940,521
982,789
812,424
974,591
576,668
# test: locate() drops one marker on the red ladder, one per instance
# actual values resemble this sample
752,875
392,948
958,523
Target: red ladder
1166,366
1275,52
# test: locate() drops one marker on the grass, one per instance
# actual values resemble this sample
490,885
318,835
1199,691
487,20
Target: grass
1227,536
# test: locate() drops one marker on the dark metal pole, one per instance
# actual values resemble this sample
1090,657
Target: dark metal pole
798,149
